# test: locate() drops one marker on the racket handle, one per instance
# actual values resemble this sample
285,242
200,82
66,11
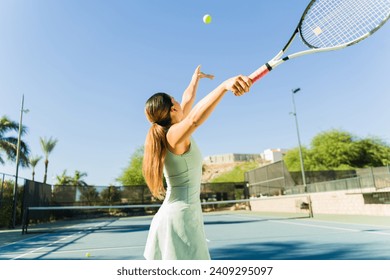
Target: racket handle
260,73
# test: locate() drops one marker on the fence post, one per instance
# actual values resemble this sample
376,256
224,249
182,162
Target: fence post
373,177
284,175
311,214
266,177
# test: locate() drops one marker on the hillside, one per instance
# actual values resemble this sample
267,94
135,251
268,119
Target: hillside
212,171
232,172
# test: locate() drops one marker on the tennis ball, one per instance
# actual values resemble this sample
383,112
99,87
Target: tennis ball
207,19
87,255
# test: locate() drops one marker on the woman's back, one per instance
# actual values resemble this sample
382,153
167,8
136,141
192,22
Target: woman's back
183,175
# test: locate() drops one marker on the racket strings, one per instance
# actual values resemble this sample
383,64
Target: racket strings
330,23
348,25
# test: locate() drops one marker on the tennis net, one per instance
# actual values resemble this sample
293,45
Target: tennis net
52,218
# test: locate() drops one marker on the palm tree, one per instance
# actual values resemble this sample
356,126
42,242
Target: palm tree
47,147
8,144
89,194
77,179
61,191
34,161
63,179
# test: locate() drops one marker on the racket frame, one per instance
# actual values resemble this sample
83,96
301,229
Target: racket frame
277,59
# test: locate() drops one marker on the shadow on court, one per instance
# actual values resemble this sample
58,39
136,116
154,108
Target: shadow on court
49,241
293,251
111,229
230,237
232,222
105,225
37,241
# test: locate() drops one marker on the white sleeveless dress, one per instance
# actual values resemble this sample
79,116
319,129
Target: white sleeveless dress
177,229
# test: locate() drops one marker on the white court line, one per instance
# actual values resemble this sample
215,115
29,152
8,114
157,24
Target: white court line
43,247
97,249
21,241
321,226
334,228
317,226
55,242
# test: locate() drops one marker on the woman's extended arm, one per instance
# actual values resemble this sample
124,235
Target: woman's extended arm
179,134
189,94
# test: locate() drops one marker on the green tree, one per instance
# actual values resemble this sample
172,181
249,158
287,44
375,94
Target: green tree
293,161
89,195
111,195
372,152
6,203
47,147
33,162
338,150
63,179
63,193
77,179
132,175
66,186
8,144
334,149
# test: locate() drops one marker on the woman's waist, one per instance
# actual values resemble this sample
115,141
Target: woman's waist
186,194
182,182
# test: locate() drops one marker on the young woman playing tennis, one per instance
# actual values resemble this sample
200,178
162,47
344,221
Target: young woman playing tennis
177,230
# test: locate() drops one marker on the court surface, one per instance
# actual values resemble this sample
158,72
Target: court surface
239,236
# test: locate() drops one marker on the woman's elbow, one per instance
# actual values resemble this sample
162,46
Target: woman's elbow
194,122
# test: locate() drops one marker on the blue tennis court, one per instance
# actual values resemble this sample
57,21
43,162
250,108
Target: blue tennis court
240,235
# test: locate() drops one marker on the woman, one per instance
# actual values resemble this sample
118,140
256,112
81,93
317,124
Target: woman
177,230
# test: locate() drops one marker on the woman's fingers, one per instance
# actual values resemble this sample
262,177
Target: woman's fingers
203,75
241,85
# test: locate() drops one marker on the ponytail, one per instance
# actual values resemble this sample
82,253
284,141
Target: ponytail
157,111
153,163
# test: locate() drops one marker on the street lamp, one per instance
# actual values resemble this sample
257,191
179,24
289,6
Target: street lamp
15,194
294,91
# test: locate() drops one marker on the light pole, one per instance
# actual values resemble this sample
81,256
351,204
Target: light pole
294,91
15,194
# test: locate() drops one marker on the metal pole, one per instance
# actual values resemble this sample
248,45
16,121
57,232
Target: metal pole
15,194
294,91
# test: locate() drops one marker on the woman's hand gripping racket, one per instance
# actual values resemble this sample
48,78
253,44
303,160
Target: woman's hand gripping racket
328,25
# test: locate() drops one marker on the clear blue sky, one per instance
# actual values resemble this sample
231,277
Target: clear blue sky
87,67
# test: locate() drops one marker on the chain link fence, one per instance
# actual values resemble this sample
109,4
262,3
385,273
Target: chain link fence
35,194
270,180
274,179
10,200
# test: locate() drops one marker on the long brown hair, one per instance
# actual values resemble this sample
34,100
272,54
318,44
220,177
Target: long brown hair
157,111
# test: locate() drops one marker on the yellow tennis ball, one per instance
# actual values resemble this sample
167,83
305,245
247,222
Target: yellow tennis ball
87,255
207,19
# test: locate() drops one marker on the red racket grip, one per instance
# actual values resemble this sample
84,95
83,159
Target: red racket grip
260,73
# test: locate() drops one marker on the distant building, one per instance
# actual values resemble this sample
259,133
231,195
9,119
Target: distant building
231,158
273,155
269,156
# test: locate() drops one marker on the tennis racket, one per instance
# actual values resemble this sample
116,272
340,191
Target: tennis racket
328,25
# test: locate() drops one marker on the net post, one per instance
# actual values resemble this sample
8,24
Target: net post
25,220
311,215
247,196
